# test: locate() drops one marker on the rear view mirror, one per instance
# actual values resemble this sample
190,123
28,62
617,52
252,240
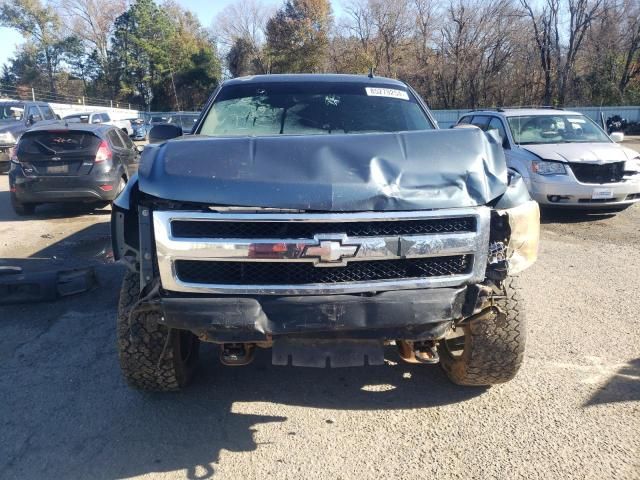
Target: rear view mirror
617,136
164,131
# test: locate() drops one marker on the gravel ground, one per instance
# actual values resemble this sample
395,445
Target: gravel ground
572,413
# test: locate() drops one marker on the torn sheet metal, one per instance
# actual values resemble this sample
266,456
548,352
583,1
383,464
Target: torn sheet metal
365,172
19,287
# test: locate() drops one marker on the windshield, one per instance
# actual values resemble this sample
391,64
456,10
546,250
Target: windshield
11,111
562,128
312,109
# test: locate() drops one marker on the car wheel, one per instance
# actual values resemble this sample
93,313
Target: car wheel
489,348
152,356
20,208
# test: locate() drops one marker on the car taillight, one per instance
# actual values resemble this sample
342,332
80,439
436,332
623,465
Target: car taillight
104,153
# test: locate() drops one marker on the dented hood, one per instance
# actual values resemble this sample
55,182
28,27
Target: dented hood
383,171
582,152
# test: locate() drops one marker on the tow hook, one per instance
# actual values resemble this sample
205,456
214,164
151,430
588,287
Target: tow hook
418,352
237,354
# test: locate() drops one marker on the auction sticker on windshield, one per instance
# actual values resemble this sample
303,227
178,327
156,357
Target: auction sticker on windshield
601,193
387,92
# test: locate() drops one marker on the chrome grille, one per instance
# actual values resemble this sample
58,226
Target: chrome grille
297,253
264,229
298,273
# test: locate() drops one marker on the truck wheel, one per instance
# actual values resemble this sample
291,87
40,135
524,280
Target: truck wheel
489,349
20,208
152,356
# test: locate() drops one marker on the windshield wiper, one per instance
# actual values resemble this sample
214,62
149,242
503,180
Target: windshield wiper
45,147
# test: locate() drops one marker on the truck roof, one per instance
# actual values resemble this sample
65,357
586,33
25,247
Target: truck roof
317,77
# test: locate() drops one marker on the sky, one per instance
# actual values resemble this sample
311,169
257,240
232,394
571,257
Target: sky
206,10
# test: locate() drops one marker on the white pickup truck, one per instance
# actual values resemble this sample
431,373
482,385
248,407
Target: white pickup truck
101,117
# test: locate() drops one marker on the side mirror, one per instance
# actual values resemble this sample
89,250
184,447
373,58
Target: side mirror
617,136
493,133
139,148
34,118
164,131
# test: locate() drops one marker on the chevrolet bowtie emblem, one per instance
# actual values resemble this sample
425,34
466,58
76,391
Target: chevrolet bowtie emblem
330,252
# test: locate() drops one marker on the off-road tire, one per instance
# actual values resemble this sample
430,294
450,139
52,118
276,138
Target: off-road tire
152,356
493,344
20,208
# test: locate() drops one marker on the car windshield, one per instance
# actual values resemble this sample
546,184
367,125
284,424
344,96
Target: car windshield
11,112
312,109
562,128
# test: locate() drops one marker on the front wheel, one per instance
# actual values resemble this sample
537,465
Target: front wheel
152,356
488,349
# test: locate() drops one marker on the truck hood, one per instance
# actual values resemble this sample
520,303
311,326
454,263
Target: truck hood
582,152
15,128
382,171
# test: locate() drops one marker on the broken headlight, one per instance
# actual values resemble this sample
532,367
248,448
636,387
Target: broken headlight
524,225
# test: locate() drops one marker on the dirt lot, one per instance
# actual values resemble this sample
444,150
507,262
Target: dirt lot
572,413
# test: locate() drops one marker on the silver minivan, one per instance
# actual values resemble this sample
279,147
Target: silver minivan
565,158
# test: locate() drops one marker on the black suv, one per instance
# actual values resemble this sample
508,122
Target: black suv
324,217
16,117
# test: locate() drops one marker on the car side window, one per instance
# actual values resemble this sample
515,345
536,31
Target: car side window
465,120
481,121
115,139
496,124
126,140
47,113
105,118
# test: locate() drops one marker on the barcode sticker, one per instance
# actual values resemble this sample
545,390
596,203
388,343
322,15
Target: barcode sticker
387,92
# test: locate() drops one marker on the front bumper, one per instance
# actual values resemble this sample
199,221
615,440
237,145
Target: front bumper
409,314
83,188
562,192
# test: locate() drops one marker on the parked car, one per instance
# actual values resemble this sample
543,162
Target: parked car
142,127
15,118
70,162
322,216
100,117
186,121
565,158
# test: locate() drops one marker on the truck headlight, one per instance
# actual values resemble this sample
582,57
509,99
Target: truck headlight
542,167
524,223
7,138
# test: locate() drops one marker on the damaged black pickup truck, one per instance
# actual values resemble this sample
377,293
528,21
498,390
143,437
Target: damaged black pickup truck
324,217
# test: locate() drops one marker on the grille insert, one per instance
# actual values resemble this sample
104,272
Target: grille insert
607,173
265,229
299,273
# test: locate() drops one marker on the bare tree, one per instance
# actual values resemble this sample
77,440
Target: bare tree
246,19
92,21
631,41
